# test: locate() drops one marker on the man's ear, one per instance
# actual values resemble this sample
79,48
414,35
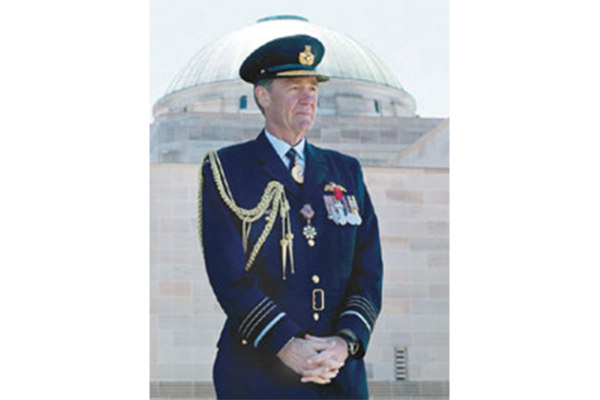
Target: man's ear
263,96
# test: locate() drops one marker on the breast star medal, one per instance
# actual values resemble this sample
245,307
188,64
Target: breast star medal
309,231
298,173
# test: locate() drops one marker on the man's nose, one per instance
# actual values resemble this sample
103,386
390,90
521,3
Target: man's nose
308,97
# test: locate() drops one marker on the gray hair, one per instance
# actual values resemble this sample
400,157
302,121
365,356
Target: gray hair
266,83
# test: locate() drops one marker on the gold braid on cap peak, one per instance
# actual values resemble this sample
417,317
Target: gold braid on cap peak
273,198
298,72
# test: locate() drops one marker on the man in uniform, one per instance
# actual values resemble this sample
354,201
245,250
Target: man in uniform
296,264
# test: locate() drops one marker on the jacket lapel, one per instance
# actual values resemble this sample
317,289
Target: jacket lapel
316,171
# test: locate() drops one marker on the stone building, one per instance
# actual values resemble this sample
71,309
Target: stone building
363,111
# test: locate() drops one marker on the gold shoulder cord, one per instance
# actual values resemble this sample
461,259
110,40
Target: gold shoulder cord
273,198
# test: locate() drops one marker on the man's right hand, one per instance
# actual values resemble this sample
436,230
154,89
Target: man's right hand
296,353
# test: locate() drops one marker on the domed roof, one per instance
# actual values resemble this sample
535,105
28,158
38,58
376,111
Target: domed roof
221,60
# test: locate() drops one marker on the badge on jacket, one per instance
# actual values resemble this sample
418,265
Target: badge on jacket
341,207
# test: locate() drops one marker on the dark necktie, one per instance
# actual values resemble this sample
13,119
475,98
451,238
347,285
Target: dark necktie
291,155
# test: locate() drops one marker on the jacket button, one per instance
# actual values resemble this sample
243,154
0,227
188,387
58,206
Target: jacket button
316,316
315,279
244,342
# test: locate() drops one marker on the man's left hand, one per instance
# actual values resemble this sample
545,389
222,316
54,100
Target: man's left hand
328,362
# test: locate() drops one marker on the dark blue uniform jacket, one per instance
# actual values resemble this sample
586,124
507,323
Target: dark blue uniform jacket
263,311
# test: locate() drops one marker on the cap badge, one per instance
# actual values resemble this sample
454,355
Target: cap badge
306,57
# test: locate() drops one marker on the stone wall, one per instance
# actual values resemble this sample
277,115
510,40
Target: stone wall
185,137
412,206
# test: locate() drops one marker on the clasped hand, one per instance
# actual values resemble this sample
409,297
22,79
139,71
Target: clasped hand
317,359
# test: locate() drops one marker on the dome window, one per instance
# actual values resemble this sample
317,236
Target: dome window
376,104
243,102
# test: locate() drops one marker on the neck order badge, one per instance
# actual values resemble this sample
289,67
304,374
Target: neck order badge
298,173
296,170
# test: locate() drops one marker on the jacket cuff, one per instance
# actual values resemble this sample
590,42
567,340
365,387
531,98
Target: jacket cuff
358,316
267,327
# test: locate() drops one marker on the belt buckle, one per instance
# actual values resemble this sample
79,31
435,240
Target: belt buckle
318,293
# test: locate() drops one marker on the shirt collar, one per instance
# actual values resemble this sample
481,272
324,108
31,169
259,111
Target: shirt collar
282,147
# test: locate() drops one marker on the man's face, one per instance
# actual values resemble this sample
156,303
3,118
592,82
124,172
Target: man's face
292,104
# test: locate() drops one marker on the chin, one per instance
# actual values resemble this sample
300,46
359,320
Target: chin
307,120
305,127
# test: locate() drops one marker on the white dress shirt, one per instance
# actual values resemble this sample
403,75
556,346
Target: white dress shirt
282,148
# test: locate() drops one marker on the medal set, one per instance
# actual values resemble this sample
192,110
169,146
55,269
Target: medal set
341,208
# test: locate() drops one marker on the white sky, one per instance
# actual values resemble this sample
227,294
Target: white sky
409,36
